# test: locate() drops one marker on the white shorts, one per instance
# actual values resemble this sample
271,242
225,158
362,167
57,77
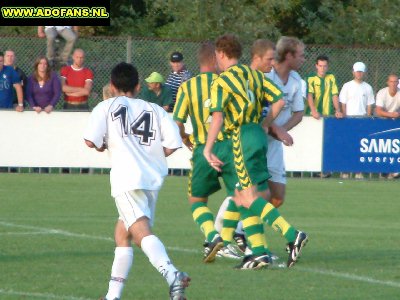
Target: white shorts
276,164
135,204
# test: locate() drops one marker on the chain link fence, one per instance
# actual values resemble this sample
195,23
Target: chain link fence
149,55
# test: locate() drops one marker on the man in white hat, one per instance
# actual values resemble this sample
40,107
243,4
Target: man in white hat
357,98
156,92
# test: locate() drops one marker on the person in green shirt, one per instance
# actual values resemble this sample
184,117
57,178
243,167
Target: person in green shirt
155,91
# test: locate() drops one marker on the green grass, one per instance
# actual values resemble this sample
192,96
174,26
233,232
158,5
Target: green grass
56,242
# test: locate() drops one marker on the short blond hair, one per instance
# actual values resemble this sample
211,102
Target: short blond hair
285,45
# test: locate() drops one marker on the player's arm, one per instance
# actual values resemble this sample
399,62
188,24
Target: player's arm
279,133
168,152
295,119
273,112
90,144
185,137
215,128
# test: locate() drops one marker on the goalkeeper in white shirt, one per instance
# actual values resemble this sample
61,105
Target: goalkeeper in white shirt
138,136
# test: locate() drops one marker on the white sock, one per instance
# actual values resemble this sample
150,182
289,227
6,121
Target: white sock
239,228
219,219
158,257
123,259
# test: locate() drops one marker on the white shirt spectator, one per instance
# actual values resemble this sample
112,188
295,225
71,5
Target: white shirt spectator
356,96
389,103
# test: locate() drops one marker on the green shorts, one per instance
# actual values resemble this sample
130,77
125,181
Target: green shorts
249,144
203,179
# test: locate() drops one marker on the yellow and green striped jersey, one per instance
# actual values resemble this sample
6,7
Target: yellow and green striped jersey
323,89
241,93
193,99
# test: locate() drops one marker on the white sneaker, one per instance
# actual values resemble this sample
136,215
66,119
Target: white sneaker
229,252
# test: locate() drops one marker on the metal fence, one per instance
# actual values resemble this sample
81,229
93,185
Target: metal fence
149,55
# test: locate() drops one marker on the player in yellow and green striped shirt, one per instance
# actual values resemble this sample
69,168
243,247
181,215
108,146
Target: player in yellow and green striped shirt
237,98
322,91
193,99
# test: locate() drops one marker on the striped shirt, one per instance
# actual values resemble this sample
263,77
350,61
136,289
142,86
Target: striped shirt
240,93
323,90
193,99
174,81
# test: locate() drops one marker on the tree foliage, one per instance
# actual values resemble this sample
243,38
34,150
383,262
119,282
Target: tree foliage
341,22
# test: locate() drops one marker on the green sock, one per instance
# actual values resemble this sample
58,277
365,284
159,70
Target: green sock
254,230
229,224
270,215
204,218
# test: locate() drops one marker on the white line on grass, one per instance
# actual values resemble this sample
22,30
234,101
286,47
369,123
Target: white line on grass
350,276
24,233
178,249
39,295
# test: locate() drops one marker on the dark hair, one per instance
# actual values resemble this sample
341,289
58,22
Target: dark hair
124,77
322,58
230,45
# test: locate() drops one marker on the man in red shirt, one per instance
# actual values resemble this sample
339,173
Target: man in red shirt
77,83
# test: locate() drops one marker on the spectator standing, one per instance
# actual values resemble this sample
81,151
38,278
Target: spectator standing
8,79
10,60
68,33
156,91
323,94
388,105
357,98
44,87
76,82
178,75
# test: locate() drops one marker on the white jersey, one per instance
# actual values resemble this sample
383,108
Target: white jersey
385,100
356,96
292,95
136,132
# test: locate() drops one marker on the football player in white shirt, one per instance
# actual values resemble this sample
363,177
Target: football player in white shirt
288,59
138,136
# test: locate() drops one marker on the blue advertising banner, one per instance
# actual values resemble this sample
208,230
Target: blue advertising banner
361,145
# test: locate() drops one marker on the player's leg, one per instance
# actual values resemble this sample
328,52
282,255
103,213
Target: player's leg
271,216
276,168
249,143
203,181
276,193
136,208
123,258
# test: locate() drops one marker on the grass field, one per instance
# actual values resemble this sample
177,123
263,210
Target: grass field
56,242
